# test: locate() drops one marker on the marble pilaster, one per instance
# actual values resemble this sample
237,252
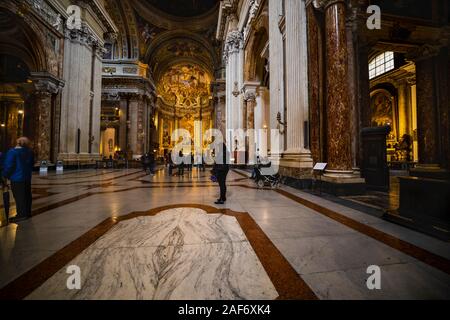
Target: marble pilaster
42,137
427,127
276,57
46,88
233,51
315,65
250,101
135,141
432,110
81,100
297,156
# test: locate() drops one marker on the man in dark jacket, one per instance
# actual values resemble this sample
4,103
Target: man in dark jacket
221,168
18,168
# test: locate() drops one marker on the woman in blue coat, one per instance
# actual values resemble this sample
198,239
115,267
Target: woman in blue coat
18,168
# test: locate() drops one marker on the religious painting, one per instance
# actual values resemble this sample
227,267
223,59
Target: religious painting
382,106
185,87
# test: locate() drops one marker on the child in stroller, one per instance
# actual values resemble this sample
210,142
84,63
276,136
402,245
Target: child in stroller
264,175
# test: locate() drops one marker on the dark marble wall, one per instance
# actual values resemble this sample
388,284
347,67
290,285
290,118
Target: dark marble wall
363,92
426,112
444,107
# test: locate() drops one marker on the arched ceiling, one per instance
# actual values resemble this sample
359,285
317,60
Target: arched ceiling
176,38
175,47
16,38
183,8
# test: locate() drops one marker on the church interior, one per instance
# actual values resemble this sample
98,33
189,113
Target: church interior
347,101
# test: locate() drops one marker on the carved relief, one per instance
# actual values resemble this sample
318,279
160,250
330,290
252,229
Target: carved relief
185,87
233,44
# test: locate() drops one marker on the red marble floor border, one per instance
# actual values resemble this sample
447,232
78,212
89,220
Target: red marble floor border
412,250
285,279
61,176
64,202
77,182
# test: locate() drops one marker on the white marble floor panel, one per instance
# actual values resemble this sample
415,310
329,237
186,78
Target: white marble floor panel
180,253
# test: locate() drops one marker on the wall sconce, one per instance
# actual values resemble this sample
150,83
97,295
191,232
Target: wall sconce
236,90
20,112
280,123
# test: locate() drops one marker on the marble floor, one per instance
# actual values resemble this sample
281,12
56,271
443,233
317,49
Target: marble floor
136,236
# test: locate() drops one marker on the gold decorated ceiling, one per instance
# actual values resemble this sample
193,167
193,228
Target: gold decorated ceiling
185,87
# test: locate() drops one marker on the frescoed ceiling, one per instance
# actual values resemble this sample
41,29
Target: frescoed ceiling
184,8
176,39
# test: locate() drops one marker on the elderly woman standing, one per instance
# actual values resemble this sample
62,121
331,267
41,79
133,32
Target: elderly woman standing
18,168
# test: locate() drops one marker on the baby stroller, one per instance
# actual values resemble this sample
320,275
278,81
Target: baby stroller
264,178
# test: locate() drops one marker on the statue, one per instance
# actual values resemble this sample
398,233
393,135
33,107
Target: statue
148,34
57,23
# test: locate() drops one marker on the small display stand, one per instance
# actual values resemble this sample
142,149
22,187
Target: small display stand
318,170
59,167
43,169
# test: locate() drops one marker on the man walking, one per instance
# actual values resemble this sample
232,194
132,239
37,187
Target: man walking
18,167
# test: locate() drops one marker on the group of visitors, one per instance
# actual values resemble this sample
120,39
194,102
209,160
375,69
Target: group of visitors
17,167
148,163
219,171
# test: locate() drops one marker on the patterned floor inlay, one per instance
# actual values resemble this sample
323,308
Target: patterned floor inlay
176,252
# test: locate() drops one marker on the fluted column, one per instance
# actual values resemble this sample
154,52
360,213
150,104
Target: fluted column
232,57
135,127
296,161
250,100
81,99
296,76
276,80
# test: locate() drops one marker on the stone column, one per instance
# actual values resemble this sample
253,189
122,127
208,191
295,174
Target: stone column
297,159
250,99
404,107
337,106
276,68
81,99
133,124
232,58
339,173
220,107
140,128
315,65
42,138
123,124
429,103
46,87
261,120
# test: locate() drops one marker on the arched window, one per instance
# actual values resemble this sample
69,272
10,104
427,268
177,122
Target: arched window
381,64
